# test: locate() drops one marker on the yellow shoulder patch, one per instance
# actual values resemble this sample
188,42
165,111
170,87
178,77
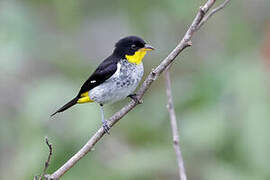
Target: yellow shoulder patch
85,98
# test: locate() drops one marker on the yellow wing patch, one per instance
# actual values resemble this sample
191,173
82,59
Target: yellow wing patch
85,98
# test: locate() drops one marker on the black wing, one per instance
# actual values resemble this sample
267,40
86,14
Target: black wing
104,71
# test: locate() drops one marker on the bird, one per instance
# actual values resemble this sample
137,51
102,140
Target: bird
115,78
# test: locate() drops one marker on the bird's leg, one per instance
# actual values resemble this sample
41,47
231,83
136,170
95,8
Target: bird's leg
135,98
104,122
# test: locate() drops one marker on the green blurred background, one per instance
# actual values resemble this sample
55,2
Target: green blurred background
220,87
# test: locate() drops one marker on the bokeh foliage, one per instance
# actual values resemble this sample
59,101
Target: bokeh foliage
220,87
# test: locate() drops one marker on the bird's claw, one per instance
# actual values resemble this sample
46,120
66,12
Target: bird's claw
135,98
106,127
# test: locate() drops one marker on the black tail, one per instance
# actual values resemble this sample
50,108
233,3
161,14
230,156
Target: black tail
66,106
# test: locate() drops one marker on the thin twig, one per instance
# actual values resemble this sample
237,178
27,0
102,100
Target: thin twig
47,163
185,42
175,132
221,6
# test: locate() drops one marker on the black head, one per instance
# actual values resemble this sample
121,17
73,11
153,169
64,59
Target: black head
129,45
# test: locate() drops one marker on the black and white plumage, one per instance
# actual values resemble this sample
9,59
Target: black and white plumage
121,84
116,77
104,71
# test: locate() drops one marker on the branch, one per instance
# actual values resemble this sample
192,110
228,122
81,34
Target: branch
175,132
221,6
170,106
185,42
47,163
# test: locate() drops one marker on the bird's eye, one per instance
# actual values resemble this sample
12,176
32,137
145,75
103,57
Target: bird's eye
133,46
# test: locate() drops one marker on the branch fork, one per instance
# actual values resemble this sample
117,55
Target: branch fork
198,21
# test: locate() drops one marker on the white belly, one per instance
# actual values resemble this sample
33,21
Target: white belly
120,85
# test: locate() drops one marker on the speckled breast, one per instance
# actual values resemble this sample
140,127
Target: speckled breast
123,83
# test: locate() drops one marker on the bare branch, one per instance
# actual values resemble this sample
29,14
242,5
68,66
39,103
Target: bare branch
185,42
221,6
175,132
47,163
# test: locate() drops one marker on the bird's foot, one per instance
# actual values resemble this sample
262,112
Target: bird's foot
135,98
105,126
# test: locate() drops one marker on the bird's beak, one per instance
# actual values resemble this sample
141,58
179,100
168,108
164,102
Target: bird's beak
148,47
